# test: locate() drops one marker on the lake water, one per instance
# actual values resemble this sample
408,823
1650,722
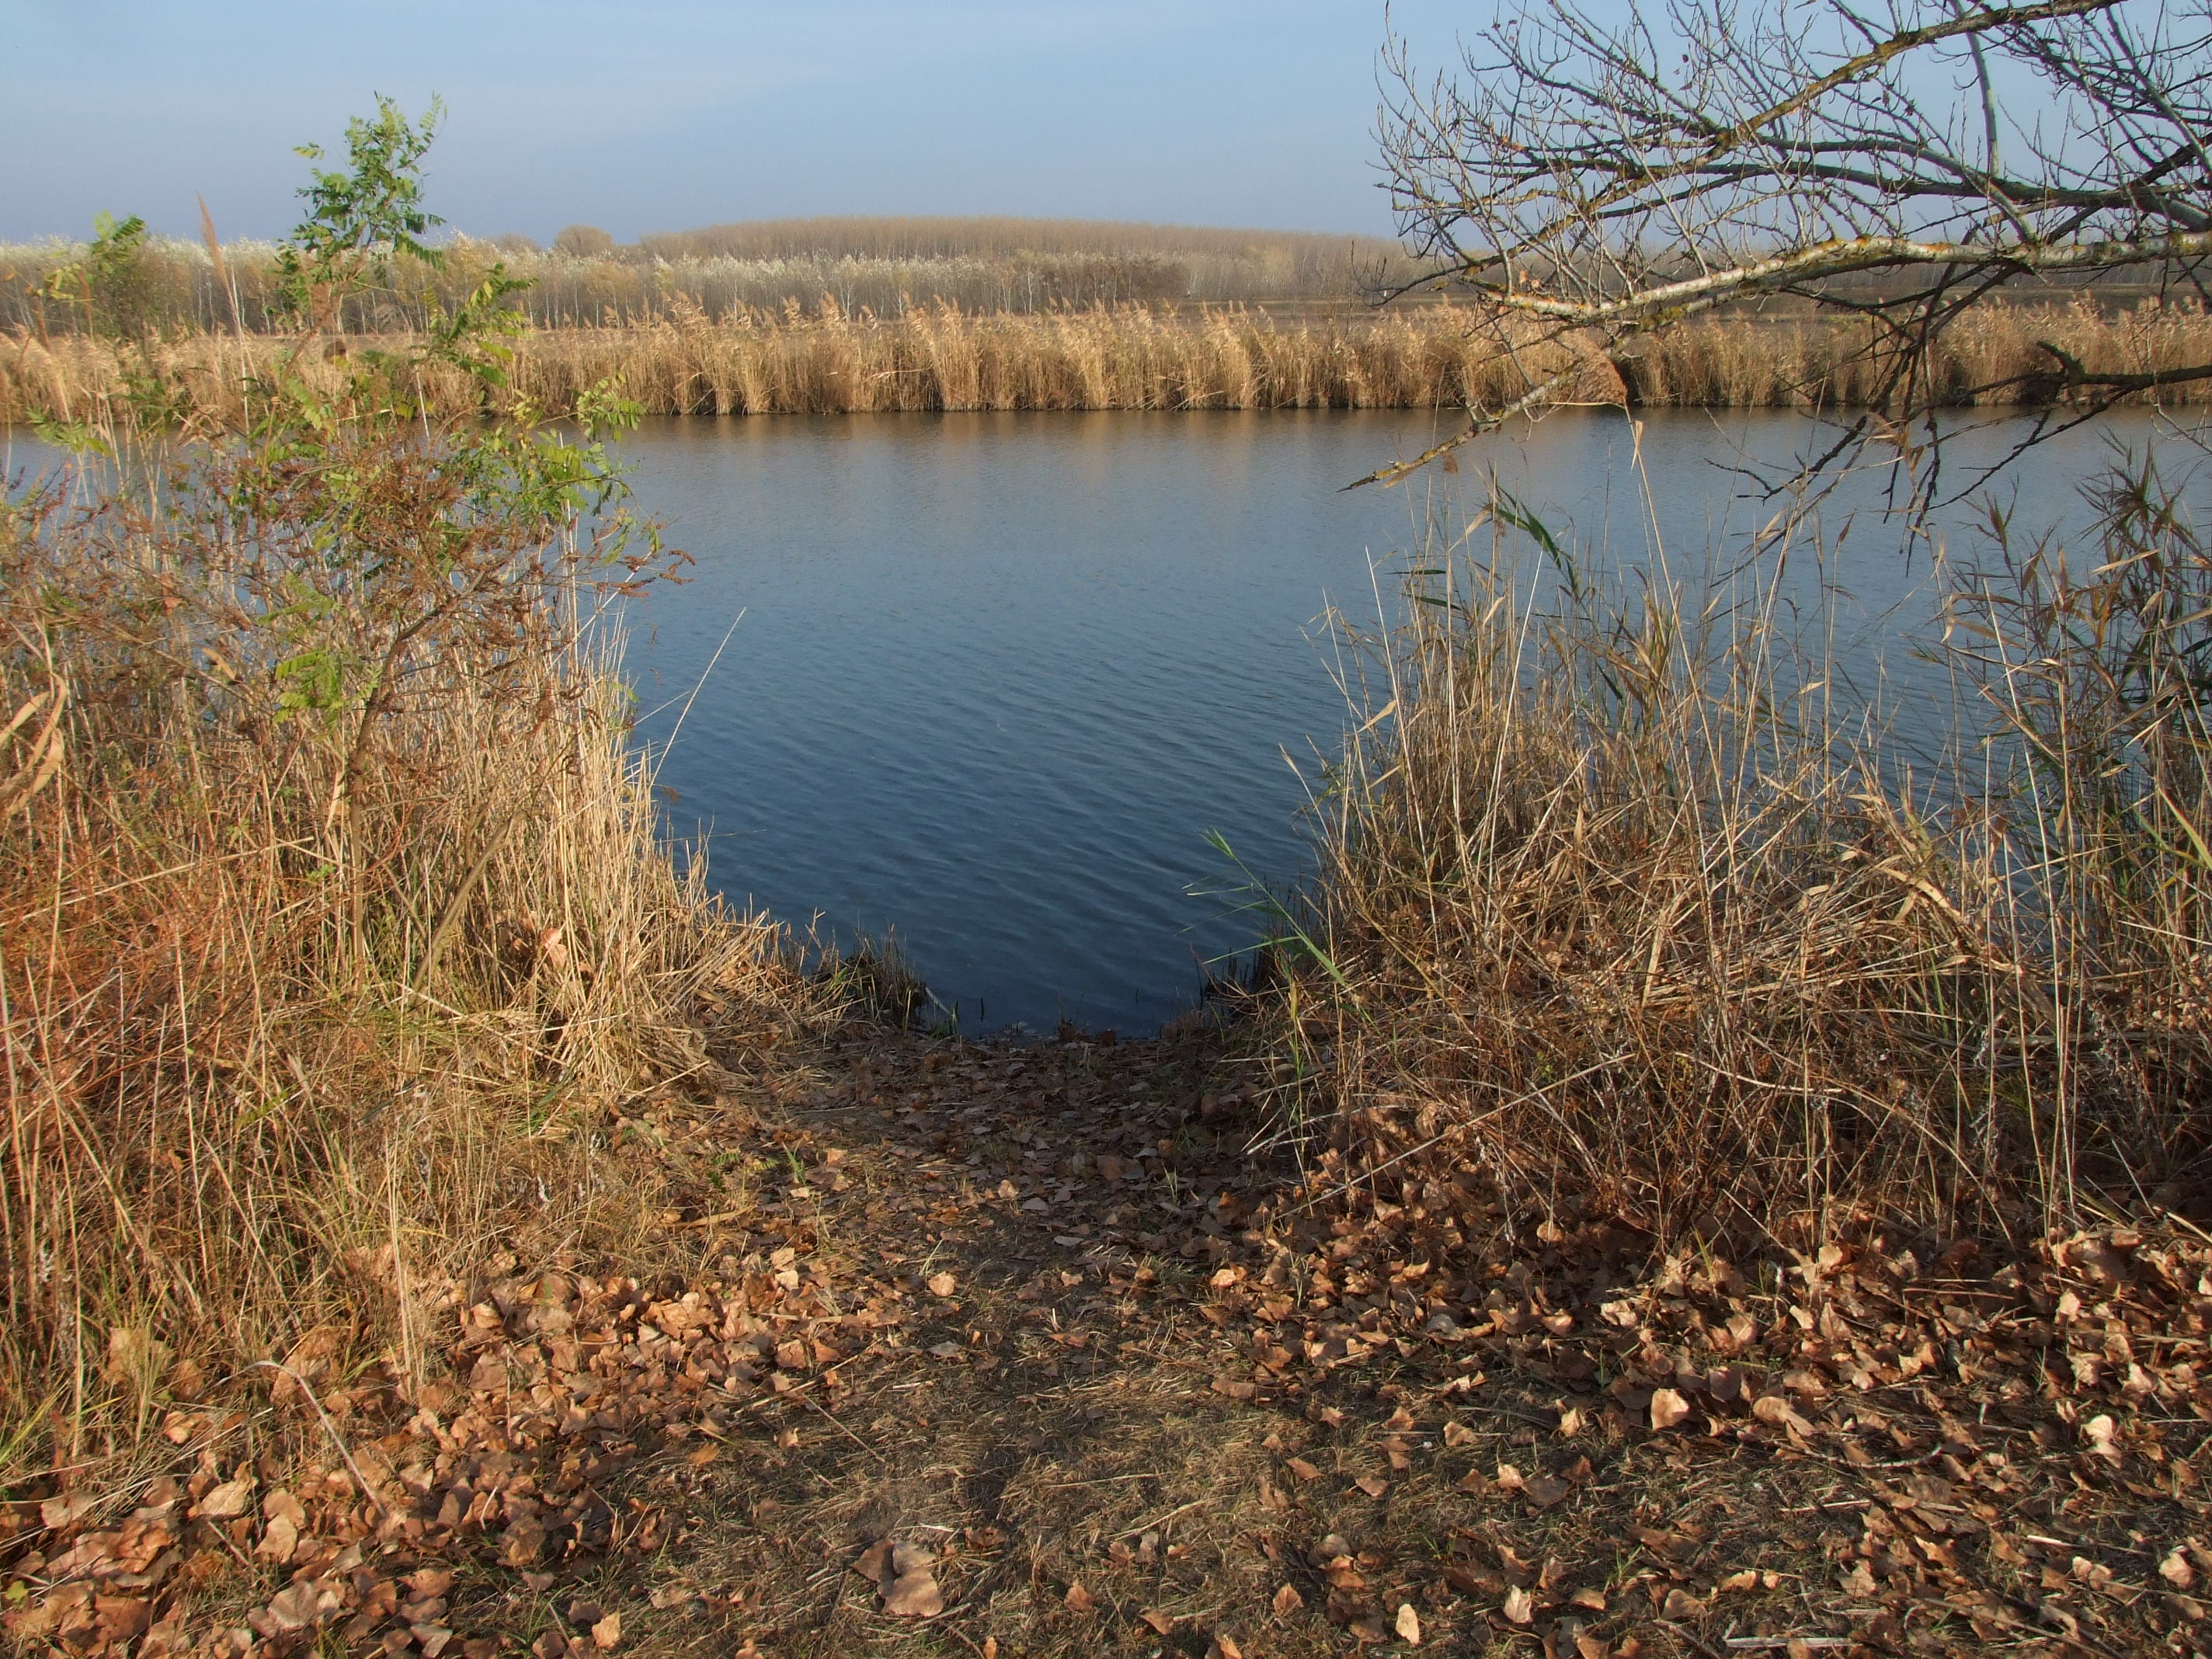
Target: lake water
995,677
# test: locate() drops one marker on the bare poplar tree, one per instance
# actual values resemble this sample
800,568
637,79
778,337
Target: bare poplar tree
1598,178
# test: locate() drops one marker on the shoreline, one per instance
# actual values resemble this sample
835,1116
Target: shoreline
1440,356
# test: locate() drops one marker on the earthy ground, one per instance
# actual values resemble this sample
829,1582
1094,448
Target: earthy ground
1048,1350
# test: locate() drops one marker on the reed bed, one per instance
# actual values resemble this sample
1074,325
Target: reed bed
336,930
826,362
829,361
1626,916
1991,356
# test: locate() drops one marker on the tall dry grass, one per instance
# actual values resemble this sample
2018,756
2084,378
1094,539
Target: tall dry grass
1624,912
828,360
335,925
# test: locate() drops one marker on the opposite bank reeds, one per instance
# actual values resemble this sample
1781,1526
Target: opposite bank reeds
1626,916
830,361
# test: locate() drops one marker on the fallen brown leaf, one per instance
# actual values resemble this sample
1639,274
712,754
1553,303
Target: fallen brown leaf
913,1595
227,1502
1544,1489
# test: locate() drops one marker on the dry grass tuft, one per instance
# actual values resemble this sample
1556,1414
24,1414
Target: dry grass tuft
336,928
1616,921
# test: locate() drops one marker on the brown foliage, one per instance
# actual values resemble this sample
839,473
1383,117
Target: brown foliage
1614,920
332,914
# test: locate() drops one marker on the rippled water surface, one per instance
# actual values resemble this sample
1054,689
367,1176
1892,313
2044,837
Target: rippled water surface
997,674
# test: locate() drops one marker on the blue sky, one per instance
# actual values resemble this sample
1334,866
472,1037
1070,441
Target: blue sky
659,114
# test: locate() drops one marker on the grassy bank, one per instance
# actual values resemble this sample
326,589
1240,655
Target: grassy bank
1630,918
829,361
336,935
337,932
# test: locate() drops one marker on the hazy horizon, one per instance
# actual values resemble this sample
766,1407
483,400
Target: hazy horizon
1235,114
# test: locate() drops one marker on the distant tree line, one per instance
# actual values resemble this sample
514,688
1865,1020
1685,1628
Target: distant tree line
127,284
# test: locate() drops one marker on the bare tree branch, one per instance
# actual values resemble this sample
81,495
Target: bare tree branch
1596,182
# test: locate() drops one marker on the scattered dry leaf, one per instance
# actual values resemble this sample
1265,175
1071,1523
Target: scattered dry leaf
227,1502
1544,1489
1776,1408
2101,1435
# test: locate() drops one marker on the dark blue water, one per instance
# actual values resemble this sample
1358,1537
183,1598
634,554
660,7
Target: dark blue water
997,676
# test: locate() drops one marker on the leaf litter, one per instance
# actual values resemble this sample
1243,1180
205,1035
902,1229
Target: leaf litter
1030,1343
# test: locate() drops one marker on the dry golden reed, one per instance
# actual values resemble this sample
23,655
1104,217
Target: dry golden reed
827,360
886,264
1626,914
305,1011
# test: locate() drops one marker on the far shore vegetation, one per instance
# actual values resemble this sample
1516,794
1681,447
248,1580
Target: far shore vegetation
892,315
